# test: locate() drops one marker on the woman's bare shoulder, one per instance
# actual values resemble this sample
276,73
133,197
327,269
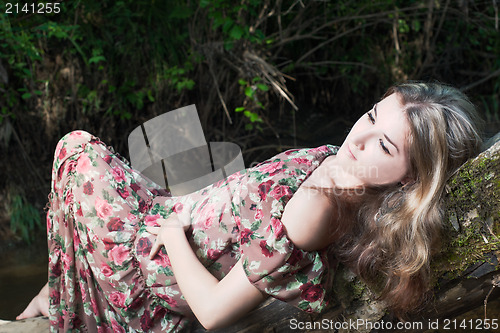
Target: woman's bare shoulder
307,218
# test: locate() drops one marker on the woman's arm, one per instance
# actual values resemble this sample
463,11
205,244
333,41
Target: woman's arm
215,303
307,219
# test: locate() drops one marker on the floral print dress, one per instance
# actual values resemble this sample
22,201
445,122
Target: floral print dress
100,276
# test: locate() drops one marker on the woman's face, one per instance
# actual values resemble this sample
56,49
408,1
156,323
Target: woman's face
375,151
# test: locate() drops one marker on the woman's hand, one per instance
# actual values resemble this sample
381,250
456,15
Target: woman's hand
39,305
215,303
170,227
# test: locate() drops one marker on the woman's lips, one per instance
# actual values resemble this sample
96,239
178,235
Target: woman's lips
351,155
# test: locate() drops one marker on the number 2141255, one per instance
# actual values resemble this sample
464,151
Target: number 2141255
32,8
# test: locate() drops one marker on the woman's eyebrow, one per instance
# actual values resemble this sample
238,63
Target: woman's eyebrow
392,143
385,135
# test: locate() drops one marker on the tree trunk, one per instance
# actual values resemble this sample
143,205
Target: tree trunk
465,273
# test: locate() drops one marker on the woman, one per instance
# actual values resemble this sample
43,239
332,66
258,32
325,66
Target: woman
374,203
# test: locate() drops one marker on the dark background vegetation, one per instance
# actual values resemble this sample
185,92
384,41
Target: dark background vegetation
266,75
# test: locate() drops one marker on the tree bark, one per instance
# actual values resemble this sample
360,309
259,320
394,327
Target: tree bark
466,273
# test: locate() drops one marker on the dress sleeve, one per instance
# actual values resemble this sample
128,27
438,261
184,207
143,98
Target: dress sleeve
271,261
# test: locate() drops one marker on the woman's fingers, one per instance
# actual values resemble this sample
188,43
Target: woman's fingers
153,230
171,222
155,248
157,244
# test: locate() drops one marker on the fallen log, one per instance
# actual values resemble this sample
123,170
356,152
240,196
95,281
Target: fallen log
32,325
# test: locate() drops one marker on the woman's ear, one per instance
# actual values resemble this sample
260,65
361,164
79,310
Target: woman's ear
407,180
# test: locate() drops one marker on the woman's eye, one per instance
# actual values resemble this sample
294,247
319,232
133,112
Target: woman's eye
370,117
384,148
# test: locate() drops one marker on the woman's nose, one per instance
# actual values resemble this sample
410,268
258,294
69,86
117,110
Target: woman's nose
360,140
359,144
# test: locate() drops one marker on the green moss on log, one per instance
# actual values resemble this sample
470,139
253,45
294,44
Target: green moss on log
472,216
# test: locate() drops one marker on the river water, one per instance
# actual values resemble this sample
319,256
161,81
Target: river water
23,272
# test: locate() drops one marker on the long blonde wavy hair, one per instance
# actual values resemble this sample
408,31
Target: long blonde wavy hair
399,226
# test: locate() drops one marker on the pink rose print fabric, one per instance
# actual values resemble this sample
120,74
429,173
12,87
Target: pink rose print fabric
100,276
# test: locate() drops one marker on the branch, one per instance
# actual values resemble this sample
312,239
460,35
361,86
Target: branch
481,81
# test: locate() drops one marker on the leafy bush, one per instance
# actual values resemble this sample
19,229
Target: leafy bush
271,74
24,218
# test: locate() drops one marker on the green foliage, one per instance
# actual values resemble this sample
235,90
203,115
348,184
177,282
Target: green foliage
177,77
24,218
251,90
234,20
127,50
107,66
129,56
18,50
